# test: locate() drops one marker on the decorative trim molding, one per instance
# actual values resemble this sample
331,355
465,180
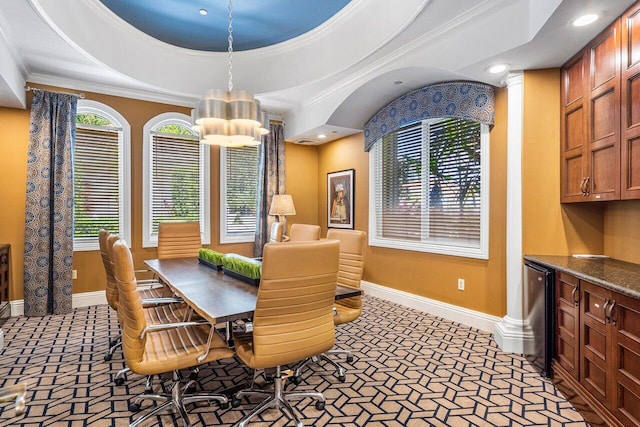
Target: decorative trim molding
83,299
464,99
484,322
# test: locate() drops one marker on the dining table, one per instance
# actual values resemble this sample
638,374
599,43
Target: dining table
214,295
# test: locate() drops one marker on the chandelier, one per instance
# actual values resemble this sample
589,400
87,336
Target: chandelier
229,118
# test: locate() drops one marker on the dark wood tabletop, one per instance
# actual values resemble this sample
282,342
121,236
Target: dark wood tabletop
212,294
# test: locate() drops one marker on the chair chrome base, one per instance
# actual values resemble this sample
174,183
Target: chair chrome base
277,399
325,356
177,398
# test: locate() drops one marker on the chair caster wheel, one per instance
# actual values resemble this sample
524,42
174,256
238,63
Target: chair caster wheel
193,376
107,357
297,379
191,390
148,391
119,381
235,402
112,343
342,378
134,407
349,359
320,405
224,405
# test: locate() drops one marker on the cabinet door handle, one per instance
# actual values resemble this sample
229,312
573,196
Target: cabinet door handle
586,186
584,178
574,292
610,313
604,311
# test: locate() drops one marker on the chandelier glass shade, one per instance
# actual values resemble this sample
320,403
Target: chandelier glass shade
229,118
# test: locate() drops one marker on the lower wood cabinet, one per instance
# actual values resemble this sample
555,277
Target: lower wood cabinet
598,345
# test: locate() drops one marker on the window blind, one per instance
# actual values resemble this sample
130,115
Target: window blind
96,181
428,183
241,190
175,179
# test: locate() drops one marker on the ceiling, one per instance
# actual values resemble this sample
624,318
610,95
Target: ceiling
181,23
327,69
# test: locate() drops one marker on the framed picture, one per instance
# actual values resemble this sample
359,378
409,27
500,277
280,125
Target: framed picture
340,199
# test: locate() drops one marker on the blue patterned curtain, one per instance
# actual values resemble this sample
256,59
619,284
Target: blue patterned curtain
48,246
271,177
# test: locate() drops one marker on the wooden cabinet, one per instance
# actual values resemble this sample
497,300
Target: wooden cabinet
5,264
630,111
598,345
568,330
590,125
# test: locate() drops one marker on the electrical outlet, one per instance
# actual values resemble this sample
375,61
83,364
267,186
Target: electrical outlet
461,284
74,274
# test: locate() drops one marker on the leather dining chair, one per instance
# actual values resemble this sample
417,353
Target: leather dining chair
178,239
277,232
159,348
293,318
353,245
150,290
158,309
304,232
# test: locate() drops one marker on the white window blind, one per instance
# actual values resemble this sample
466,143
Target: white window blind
175,179
239,192
96,180
430,188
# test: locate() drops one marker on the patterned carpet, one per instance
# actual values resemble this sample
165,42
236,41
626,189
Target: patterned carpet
411,369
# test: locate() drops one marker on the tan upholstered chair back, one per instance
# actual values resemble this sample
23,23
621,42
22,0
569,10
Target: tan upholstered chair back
304,232
293,319
130,311
277,230
106,241
353,245
178,239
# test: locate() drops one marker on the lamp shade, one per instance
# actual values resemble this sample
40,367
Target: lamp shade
282,205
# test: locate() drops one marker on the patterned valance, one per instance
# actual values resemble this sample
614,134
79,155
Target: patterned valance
465,100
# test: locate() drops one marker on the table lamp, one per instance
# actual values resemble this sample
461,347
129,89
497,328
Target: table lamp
282,206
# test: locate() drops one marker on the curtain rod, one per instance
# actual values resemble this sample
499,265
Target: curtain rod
79,95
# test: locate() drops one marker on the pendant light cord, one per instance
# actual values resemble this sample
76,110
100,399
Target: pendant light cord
230,47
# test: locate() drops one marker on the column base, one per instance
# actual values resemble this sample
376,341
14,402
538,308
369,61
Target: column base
514,336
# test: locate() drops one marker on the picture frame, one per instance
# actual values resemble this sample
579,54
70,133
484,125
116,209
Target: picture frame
340,206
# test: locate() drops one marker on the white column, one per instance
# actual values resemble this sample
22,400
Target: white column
512,333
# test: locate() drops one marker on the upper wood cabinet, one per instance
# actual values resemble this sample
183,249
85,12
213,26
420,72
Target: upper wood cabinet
630,148
590,125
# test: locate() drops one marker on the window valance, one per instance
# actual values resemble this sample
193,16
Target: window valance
466,100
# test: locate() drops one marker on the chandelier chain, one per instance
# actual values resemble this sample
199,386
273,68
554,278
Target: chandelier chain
230,46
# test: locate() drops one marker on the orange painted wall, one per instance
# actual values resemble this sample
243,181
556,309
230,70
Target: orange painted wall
548,227
622,230
301,164
14,140
429,275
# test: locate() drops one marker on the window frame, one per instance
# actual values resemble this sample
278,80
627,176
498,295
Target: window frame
86,106
224,235
150,239
480,252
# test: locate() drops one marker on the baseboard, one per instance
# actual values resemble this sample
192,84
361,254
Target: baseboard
82,299
475,319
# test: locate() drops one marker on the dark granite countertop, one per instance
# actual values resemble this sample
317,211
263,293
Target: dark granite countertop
619,276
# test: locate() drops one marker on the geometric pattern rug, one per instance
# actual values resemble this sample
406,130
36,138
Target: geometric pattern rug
410,369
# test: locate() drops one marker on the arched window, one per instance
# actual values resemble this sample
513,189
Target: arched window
101,179
175,176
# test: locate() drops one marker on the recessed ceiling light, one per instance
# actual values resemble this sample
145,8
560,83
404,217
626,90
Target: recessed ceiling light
322,136
587,19
398,82
498,68
203,12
